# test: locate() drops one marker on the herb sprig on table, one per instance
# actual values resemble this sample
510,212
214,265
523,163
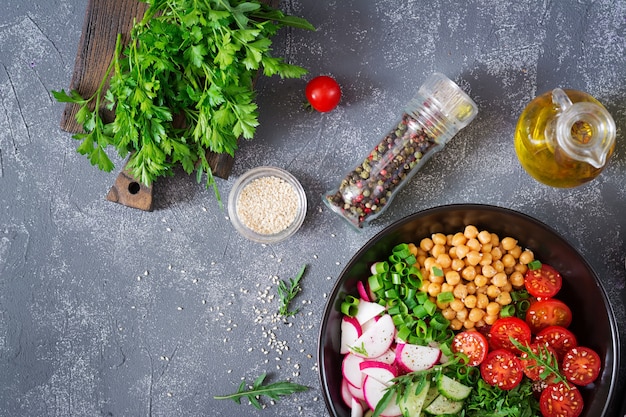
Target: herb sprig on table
273,391
287,291
183,86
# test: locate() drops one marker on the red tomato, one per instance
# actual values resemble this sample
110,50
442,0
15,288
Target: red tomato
473,344
548,312
557,400
581,365
544,282
502,369
558,338
530,366
504,328
323,93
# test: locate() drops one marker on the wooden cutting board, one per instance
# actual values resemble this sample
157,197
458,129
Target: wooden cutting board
104,20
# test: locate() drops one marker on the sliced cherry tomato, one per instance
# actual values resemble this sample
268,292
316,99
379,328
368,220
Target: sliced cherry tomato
581,365
501,368
323,93
558,338
548,312
473,344
544,282
504,328
531,368
557,400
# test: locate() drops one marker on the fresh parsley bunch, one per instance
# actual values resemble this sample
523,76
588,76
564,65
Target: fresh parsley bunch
183,86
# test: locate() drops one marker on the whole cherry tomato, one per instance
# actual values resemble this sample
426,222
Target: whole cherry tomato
323,93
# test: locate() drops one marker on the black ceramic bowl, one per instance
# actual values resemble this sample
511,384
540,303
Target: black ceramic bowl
593,319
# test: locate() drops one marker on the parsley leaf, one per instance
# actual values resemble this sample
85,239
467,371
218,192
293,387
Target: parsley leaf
273,391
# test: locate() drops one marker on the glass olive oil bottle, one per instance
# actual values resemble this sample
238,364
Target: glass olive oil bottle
564,138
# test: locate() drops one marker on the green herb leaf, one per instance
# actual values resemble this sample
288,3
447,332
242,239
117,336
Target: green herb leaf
274,391
287,291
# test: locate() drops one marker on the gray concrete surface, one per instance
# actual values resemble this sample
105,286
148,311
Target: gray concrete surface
111,311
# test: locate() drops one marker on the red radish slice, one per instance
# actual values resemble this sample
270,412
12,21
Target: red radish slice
368,310
376,340
346,395
381,371
387,357
350,332
351,370
356,392
362,291
374,391
357,409
365,326
416,358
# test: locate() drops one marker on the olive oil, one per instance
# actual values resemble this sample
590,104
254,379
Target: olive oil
583,149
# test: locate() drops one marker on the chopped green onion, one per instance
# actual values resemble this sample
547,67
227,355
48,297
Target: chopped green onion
519,295
438,272
445,297
396,278
349,309
381,267
401,250
420,311
439,322
375,283
391,293
430,307
522,307
422,297
534,265
507,311
410,260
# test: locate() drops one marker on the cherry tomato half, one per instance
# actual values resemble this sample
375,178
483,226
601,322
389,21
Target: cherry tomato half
581,365
548,312
502,369
544,282
557,400
504,328
531,368
473,344
323,93
558,338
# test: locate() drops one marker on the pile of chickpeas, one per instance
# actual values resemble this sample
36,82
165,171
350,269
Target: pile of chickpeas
477,267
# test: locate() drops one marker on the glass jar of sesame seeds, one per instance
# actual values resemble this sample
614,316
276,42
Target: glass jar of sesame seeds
438,111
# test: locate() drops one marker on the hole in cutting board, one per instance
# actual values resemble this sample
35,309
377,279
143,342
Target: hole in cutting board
133,187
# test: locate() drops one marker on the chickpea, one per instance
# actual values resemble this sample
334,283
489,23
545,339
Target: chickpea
420,251
434,277
462,251
458,239
439,239
489,319
495,240
434,288
473,257
486,248
498,265
448,313
442,305
469,324
452,252
449,240
453,277
429,262
493,309
426,244
517,279
457,264
526,257
456,305
508,260
438,250
504,298
456,324
425,284
445,287
462,314
485,259
412,249
493,291
473,244
468,273
444,260
460,291
500,279
421,259
470,301
480,323
508,243
482,290
484,237
521,268
481,280
507,287
516,252
496,253
488,271
471,288
482,301
476,315
470,231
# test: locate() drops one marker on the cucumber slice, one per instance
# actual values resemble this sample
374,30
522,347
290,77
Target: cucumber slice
452,389
433,392
412,403
442,405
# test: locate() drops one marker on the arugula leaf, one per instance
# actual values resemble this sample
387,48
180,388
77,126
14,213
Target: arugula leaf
287,291
273,391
